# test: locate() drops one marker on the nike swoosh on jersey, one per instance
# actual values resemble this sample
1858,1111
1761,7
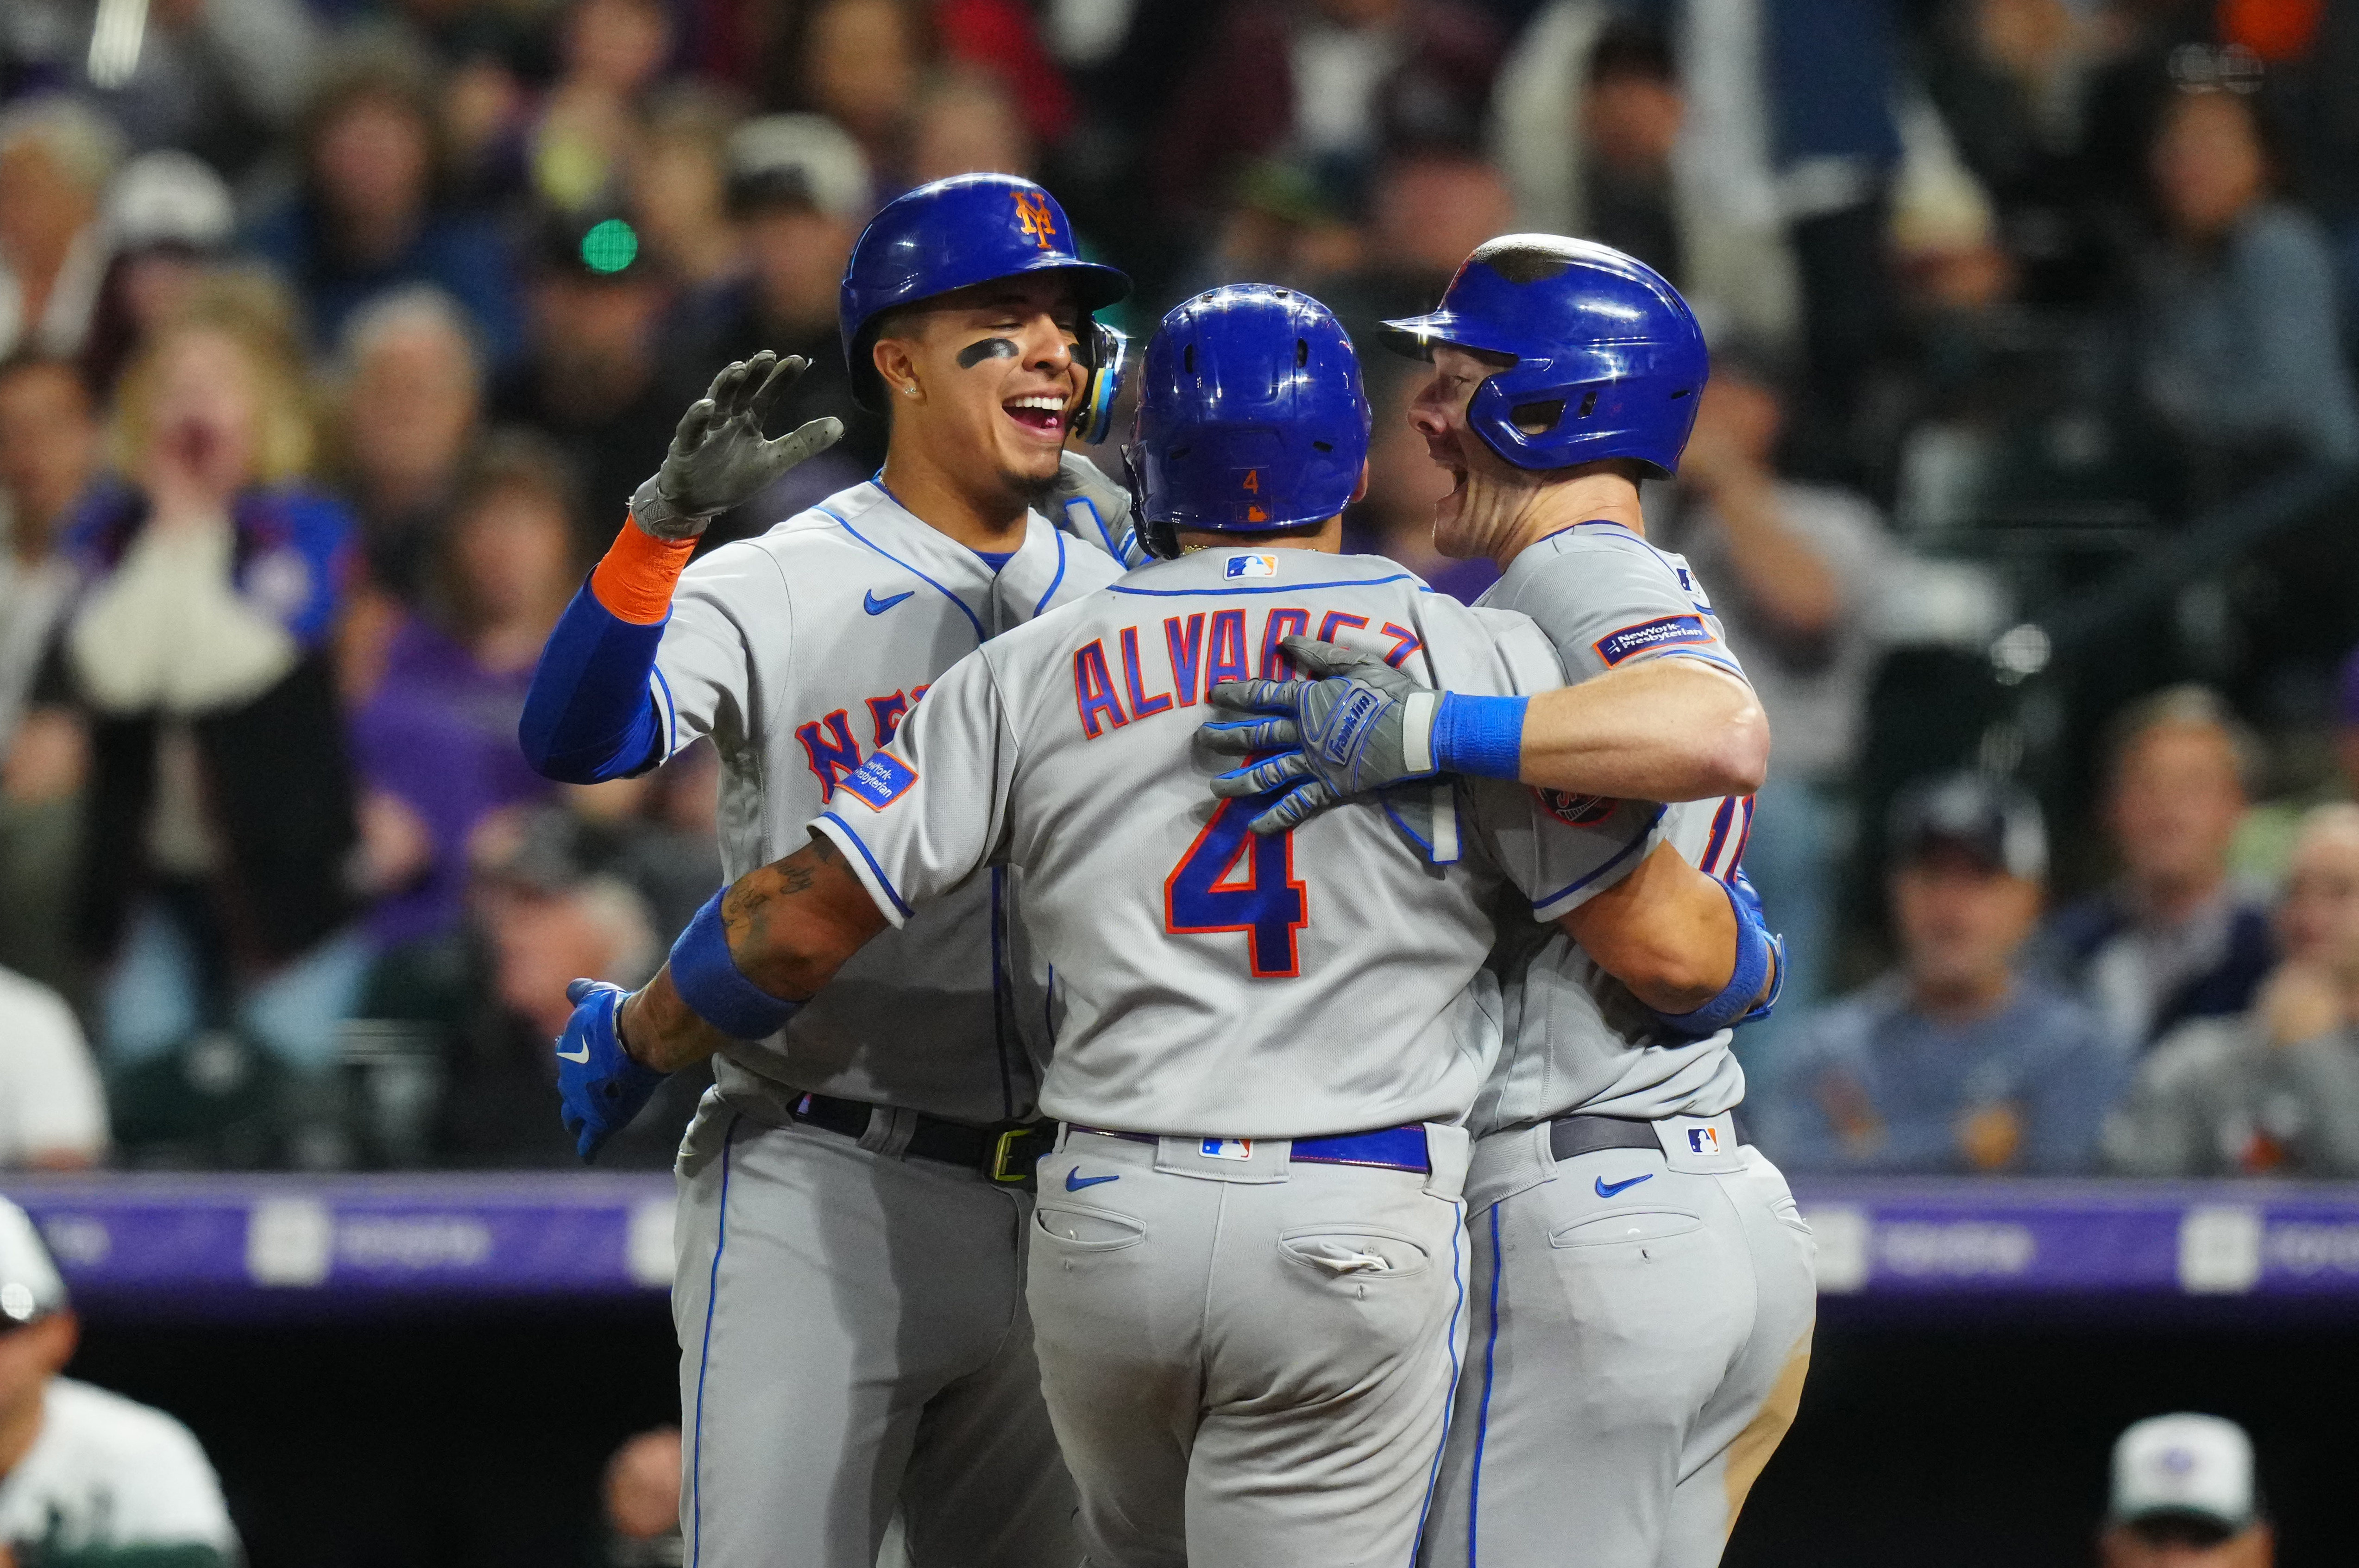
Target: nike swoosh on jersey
1617,1188
876,606
570,1056
1075,1180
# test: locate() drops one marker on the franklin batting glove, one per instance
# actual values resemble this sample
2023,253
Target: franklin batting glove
1356,725
599,1087
719,458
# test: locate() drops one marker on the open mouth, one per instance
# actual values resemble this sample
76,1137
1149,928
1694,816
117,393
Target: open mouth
1042,413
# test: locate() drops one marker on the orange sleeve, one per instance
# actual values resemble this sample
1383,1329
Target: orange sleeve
635,579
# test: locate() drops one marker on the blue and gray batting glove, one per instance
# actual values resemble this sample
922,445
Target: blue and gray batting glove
1357,724
599,1089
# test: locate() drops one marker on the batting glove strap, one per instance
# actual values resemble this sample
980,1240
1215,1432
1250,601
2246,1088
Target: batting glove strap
715,988
1480,736
1760,955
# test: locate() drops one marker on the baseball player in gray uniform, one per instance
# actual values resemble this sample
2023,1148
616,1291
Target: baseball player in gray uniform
1245,1267
848,1299
1644,1283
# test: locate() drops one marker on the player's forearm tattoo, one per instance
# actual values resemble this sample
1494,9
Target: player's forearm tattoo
779,918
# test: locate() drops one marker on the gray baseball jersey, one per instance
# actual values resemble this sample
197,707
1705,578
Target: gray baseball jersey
1202,980
1576,1040
800,652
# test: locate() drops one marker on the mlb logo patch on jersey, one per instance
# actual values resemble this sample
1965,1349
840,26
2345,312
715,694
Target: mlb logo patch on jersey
880,781
1575,810
1227,1149
1668,631
1703,1139
1252,566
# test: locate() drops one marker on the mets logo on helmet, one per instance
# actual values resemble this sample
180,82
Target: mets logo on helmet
1034,216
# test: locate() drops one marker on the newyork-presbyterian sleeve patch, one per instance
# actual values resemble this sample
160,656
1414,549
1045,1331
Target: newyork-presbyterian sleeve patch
1666,631
880,781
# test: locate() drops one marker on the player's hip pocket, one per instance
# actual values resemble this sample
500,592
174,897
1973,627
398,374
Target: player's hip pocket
1361,1254
1077,1228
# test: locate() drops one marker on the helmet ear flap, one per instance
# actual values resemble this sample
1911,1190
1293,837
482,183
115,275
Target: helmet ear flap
1160,539
1106,351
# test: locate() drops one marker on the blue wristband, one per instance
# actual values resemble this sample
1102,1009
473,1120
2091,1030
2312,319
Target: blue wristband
1481,736
715,990
1757,953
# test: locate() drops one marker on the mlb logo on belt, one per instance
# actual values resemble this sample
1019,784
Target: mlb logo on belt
1703,1139
1227,1149
1252,566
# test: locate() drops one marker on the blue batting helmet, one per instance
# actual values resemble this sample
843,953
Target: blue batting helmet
1609,360
954,232
1251,417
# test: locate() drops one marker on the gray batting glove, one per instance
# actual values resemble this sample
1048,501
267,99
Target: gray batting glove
1092,506
719,458
1357,724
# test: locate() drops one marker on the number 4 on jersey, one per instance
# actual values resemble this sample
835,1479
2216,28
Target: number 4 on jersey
1231,880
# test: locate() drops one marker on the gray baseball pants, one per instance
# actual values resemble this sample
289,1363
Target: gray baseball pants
853,1340
1640,1333
1248,1360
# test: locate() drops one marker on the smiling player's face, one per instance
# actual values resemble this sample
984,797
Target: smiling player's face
1487,493
996,378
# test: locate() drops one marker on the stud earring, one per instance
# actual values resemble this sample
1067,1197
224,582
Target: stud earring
911,389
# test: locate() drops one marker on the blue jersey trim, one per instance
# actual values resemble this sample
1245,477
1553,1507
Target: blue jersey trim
671,713
590,715
1619,856
973,619
1483,1417
704,1355
1224,591
882,880
1055,582
1449,1403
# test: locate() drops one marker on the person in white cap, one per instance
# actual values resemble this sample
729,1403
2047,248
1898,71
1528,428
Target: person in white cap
2184,1496
83,1471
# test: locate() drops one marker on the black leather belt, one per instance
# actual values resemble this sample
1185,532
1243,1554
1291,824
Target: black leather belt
1004,1154
1572,1136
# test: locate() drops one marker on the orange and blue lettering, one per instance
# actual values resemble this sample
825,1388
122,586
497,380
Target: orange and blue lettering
1228,661
1093,692
1275,665
1141,705
1187,657
832,751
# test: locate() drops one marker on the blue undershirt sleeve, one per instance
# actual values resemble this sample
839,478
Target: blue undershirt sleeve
589,716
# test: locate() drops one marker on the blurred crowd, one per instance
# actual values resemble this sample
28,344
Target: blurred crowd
334,333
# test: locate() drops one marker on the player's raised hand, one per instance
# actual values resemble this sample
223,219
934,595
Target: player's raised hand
718,457
1357,724
599,1087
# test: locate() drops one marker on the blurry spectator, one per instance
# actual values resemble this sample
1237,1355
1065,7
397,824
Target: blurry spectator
221,78
2174,938
56,156
594,379
167,217
2184,1496
1798,573
679,191
52,1112
491,996
658,834
1395,517
966,122
2277,1090
642,1501
859,63
1328,84
48,450
218,818
1643,180
1957,1061
434,745
370,217
1426,211
412,405
87,1475
798,189
589,121
2239,354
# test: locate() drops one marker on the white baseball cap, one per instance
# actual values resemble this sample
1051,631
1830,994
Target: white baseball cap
29,1285
2185,1466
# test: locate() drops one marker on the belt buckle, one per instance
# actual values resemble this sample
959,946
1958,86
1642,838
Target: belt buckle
1004,1151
